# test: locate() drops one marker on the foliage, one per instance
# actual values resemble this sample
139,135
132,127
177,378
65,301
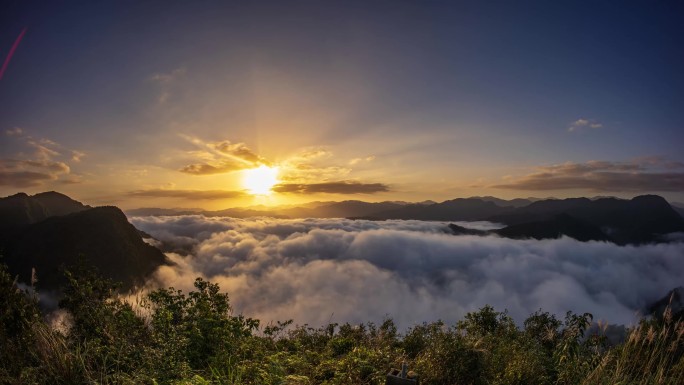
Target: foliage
178,338
18,312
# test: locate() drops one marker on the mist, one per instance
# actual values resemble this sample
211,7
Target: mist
316,271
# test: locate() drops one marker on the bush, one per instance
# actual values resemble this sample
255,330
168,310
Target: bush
193,338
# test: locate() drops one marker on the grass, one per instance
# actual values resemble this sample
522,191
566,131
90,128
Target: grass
170,337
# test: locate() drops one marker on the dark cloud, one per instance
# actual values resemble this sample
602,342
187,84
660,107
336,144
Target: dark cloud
318,270
188,194
207,169
638,176
36,162
57,167
23,178
344,187
222,157
30,173
239,150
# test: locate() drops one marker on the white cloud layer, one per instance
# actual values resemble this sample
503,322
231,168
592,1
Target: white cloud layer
320,270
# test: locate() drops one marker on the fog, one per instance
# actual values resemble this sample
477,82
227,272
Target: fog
317,271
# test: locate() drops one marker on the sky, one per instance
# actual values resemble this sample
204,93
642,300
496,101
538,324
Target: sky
217,104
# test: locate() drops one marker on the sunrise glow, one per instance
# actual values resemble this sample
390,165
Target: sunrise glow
260,180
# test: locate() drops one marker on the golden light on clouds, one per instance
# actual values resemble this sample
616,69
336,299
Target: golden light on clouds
260,180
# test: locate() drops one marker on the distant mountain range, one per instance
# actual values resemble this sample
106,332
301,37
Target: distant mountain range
427,210
643,219
48,231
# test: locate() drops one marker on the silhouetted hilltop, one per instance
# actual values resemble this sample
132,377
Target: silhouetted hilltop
37,236
540,211
678,207
561,224
345,209
22,209
342,209
460,230
156,211
59,204
461,209
642,219
517,202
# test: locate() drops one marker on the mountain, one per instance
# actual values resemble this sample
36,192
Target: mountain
342,209
345,209
460,209
540,210
460,230
160,212
561,224
50,230
674,300
22,209
518,202
678,207
643,219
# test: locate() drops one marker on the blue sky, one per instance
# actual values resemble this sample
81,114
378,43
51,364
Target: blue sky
113,102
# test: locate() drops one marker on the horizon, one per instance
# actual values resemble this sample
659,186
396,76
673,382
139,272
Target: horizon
219,105
258,206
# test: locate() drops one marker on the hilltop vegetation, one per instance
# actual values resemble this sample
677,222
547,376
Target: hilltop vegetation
171,337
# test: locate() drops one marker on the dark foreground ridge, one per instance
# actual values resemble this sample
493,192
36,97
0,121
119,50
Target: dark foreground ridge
49,231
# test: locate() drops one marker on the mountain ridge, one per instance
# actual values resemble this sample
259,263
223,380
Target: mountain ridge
51,231
642,219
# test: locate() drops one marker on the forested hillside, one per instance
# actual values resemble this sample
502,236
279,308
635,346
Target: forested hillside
171,337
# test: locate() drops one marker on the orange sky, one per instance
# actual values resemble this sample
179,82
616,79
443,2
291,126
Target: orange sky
169,105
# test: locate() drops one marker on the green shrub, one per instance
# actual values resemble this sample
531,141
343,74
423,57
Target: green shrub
193,338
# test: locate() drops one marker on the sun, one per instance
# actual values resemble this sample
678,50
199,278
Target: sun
260,180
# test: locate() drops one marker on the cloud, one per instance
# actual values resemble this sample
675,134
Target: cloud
220,157
37,162
166,82
16,131
23,178
207,169
308,171
583,123
316,270
76,156
601,176
313,153
356,161
312,165
168,77
238,150
343,187
187,194
30,173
